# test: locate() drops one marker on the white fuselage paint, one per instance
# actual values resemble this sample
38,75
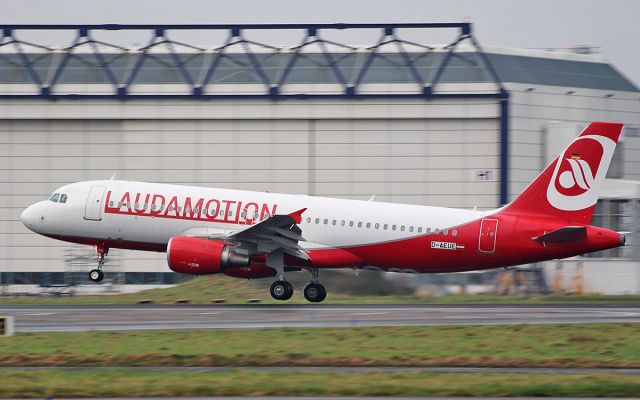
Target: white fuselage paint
70,219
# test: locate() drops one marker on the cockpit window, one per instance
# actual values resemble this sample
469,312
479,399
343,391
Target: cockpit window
63,198
55,197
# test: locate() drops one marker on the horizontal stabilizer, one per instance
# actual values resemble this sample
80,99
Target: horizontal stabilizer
566,234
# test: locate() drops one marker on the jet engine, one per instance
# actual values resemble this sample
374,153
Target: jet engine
196,256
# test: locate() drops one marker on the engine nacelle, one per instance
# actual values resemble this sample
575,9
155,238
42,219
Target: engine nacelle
190,255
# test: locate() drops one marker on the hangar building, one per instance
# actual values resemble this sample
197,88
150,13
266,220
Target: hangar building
456,125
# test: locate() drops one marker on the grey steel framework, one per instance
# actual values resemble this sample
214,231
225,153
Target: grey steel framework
109,63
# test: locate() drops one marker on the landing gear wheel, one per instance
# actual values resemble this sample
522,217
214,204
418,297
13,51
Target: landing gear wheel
281,290
315,292
96,275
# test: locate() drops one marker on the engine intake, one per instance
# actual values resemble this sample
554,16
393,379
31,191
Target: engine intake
196,256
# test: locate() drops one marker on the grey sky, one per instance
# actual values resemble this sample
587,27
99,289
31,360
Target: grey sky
611,25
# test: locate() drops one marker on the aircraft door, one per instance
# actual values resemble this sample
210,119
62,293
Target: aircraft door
93,208
488,233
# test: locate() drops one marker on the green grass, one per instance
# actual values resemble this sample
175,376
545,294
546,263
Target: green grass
589,345
205,289
126,383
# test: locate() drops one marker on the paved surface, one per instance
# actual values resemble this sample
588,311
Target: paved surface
141,317
347,370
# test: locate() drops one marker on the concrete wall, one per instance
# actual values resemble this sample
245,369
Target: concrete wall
605,276
410,151
533,108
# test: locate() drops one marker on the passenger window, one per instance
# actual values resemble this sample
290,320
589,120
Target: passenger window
359,224
368,225
111,204
428,230
377,226
317,220
350,223
308,220
326,221
386,226
393,227
454,233
342,222
402,228
446,231
419,229
411,229
334,222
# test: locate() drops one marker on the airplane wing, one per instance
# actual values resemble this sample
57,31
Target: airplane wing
566,234
276,232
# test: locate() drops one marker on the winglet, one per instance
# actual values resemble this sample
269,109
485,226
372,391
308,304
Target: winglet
297,215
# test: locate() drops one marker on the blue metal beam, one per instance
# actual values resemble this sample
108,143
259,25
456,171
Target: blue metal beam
158,37
115,27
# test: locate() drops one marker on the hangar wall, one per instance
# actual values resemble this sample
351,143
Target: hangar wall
411,151
535,107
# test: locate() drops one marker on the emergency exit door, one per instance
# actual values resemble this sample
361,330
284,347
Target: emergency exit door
93,208
488,233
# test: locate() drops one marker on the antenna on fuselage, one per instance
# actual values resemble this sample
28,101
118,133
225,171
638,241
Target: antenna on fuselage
113,177
373,196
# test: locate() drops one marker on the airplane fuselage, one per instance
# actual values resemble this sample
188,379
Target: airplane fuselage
338,232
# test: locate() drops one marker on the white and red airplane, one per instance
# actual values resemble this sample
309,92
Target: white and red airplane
256,234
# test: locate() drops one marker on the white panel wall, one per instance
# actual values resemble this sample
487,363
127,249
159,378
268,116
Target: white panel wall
403,151
533,108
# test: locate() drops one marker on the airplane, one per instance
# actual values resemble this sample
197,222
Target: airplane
247,234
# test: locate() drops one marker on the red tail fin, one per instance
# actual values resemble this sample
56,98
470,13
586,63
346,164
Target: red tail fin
569,187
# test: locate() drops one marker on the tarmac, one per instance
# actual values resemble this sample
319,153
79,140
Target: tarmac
80,318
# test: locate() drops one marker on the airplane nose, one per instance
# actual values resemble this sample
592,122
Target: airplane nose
29,217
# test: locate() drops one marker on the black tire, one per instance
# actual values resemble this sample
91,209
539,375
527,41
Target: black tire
96,275
289,291
315,292
281,290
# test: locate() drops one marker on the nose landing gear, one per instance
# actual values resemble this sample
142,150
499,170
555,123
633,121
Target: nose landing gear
96,275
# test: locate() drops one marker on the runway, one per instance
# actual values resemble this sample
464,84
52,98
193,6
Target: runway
62,318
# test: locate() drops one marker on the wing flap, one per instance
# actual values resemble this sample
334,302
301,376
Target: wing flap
276,232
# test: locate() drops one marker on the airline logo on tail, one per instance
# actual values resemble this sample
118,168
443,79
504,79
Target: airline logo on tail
580,172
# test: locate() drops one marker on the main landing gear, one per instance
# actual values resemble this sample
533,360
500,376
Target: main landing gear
283,290
314,291
96,275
